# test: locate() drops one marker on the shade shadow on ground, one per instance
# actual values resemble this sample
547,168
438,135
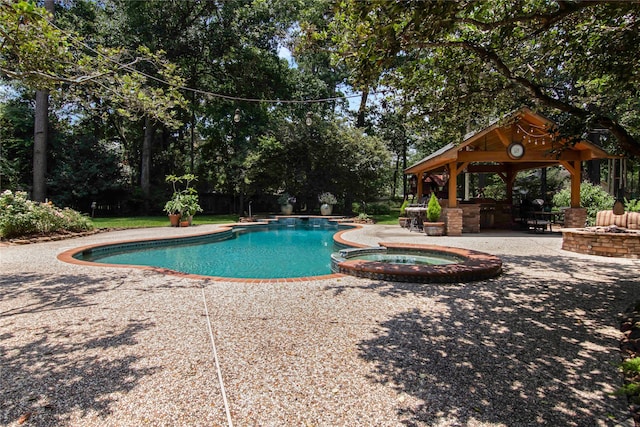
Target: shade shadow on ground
61,360
520,349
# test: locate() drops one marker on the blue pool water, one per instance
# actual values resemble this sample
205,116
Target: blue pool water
263,253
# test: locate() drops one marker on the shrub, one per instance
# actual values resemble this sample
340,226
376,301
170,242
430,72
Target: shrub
327,198
373,208
631,369
403,207
592,197
433,209
632,205
20,216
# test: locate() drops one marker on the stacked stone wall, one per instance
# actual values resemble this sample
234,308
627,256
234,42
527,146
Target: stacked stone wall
623,245
470,218
575,217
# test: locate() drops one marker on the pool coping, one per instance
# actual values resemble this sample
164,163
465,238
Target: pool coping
68,255
476,265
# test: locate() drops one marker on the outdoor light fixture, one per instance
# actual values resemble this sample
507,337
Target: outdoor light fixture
236,115
309,120
445,174
534,134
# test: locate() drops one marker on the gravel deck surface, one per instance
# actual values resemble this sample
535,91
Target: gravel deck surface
103,346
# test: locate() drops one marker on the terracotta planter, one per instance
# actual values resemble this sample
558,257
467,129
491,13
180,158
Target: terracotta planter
326,209
286,209
184,223
404,221
433,228
174,220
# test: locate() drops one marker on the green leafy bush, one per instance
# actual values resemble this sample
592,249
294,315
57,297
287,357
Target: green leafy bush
378,208
20,216
592,197
373,208
403,207
631,369
632,205
433,209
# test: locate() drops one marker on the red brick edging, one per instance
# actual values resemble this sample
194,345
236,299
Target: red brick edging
475,266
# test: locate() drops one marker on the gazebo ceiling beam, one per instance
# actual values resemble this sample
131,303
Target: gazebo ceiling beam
503,138
462,167
497,168
501,156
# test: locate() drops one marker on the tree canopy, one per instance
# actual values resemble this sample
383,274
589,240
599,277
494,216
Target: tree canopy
459,62
145,89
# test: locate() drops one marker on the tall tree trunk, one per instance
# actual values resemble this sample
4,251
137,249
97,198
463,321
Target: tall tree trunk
360,121
145,166
40,136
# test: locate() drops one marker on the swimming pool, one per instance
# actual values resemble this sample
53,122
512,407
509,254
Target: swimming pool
287,250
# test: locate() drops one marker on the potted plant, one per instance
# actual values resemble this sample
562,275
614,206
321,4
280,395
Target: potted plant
173,208
286,202
190,207
184,201
433,227
327,200
403,219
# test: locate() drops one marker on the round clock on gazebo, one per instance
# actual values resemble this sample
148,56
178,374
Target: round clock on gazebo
515,150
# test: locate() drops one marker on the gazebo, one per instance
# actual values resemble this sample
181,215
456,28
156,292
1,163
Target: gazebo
520,141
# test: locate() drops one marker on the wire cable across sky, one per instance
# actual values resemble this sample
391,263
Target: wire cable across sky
208,93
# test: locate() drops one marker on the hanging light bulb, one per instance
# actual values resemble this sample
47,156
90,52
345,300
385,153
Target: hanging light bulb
236,115
309,119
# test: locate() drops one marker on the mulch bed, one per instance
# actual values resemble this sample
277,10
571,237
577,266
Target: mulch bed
50,237
630,348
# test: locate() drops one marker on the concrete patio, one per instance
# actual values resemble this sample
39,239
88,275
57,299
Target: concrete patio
103,346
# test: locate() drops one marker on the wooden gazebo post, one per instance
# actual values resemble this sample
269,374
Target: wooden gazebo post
575,216
453,214
453,184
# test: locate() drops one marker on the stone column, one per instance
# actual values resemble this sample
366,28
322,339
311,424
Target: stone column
453,221
470,218
575,217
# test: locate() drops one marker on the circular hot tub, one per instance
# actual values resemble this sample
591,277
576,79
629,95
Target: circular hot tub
416,263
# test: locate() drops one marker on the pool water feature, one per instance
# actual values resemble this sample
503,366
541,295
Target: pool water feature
406,259
281,250
416,263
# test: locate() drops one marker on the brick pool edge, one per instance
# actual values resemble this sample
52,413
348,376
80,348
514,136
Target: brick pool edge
475,266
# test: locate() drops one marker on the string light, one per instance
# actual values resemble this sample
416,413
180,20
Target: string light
532,135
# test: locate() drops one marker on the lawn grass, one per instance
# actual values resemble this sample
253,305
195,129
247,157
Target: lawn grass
163,221
390,219
158,221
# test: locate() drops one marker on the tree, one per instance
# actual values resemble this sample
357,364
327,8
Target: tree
324,156
40,134
16,144
39,55
471,60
